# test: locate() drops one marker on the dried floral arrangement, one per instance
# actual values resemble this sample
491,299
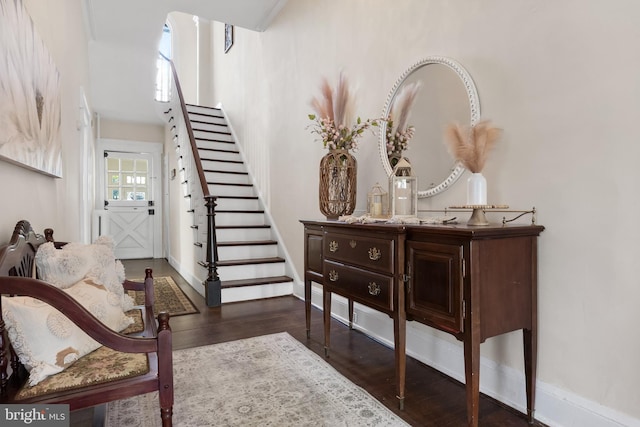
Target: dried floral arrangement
471,145
333,120
399,132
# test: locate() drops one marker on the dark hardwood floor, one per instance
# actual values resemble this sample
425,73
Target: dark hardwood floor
432,399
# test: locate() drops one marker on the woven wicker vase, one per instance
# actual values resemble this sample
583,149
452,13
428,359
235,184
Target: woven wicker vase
338,181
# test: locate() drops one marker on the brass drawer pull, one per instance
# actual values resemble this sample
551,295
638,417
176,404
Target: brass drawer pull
374,288
333,276
333,246
374,254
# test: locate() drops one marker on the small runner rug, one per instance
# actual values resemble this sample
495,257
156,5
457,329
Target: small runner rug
270,380
168,297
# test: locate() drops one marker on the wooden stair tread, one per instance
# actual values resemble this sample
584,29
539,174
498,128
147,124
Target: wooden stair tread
222,171
229,183
228,227
248,243
255,282
218,150
240,162
221,141
210,131
202,106
233,262
249,211
219,119
207,123
238,197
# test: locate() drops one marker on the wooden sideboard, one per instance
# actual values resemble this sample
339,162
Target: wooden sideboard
472,282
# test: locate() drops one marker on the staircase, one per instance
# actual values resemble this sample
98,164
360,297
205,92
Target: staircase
250,262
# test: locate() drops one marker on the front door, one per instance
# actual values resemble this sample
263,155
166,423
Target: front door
129,201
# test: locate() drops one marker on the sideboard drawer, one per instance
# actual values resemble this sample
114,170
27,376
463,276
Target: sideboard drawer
369,288
369,252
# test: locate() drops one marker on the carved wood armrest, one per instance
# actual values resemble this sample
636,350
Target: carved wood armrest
75,312
146,286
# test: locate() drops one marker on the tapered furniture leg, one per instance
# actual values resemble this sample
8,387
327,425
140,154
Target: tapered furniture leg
326,311
472,376
307,305
530,337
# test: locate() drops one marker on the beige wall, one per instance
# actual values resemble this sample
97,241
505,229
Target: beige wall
561,79
131,131
184,36
191,57
45,201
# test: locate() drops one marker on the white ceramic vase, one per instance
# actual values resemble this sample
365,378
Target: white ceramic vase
476,189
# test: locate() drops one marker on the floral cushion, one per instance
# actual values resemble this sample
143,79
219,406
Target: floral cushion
45,340
101,366
137,324
76,261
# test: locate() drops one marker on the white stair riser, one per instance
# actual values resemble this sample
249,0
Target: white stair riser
247,293
210,126
220,121
250,271
213,145
230,190
226,253
219,155
243,234
204,110
238,204
223,166
230,178
238,218
211,136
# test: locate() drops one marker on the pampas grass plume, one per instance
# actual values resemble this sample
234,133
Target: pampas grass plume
471,146
335,104
402,105
323,106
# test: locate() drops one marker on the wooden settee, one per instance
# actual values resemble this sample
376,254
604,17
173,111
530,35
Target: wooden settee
152,342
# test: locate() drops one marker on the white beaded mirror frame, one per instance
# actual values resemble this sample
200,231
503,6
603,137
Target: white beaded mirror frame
473,109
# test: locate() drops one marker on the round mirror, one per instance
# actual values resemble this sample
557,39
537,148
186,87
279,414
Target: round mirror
446,95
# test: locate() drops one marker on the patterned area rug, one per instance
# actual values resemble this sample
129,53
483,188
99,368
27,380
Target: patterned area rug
271,380
169,297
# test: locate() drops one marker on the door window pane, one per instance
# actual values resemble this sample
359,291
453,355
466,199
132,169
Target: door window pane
126,178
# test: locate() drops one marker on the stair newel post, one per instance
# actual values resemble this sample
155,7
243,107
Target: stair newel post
212,284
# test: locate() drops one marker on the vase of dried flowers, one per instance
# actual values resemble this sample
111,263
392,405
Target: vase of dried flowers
471,146
338,181
339,134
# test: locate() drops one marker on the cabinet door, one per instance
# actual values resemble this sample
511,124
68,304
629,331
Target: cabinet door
435,285
313,251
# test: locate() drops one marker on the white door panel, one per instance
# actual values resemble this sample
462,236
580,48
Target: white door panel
132,231
129,186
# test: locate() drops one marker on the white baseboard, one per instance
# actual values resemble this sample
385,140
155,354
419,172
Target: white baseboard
554,406
193,281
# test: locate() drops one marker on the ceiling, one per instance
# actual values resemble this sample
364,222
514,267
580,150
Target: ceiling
123,46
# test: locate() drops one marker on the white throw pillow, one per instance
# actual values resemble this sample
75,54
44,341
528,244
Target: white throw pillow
45,340
62,268
75,261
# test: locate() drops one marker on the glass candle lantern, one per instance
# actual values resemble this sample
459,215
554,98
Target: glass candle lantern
404,190
378,202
